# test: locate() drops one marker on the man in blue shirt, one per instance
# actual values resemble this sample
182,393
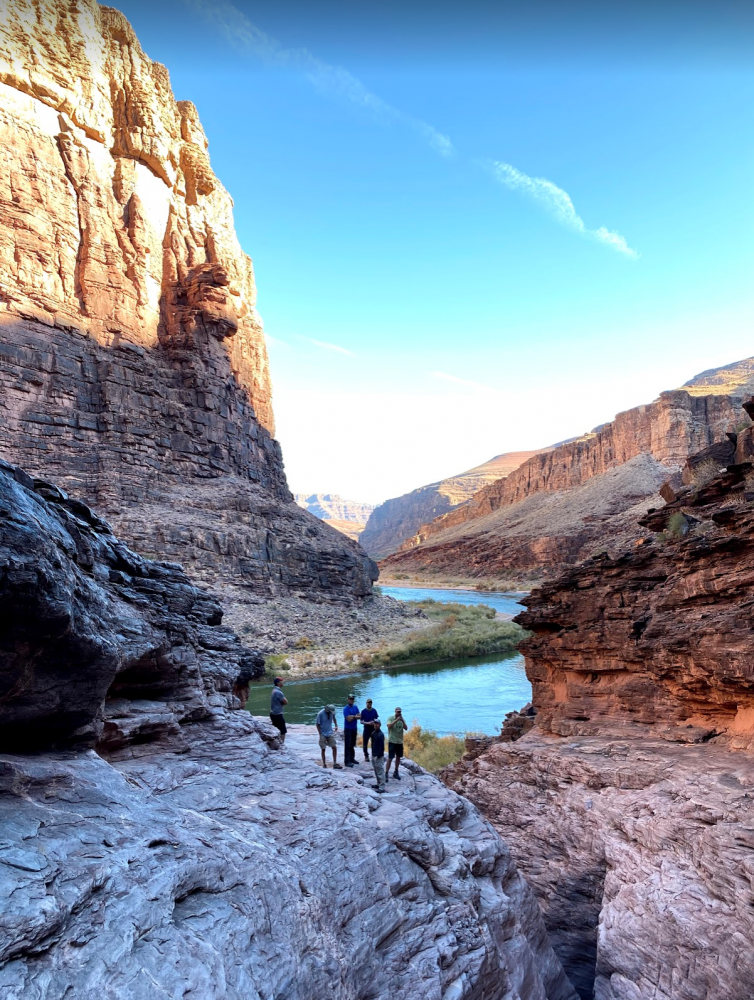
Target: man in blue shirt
351,715
368,715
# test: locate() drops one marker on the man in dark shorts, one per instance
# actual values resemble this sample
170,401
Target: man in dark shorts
351,715
276,708
368,715
396,727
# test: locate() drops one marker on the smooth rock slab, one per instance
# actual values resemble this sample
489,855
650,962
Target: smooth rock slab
238,870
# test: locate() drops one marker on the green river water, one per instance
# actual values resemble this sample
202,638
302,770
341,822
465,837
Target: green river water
455,696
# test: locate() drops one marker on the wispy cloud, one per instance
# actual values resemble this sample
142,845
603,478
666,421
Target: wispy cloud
332,80
323,344
337,82
558,203
463,381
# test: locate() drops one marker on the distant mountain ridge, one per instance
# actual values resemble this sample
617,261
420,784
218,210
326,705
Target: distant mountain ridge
565,503
346,516
735,379
401,517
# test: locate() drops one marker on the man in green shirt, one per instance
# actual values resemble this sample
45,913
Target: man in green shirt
396,727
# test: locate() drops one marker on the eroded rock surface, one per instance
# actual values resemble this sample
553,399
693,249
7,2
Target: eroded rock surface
98,645
236,870
630,806
641,854
154,842
133,368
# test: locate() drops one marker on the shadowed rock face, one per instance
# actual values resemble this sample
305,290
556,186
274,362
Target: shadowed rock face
133,367
98,645
628,806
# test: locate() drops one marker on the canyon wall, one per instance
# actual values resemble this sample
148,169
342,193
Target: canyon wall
133,368
399,518
629,805
510,527
158,841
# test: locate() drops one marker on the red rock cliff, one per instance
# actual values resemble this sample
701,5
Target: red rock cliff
557,508
629,805
132,360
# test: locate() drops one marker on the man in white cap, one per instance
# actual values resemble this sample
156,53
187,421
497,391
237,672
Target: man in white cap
327,727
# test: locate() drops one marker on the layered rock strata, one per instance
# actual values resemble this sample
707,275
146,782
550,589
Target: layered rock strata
188,853
395,520
133,368
558,507
629,805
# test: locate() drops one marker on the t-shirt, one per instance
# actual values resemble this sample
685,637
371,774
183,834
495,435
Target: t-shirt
351,710
276,702
378,743
326,722
396,727
368,715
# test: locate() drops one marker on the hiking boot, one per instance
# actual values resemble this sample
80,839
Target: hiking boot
366,758
338,767
397,777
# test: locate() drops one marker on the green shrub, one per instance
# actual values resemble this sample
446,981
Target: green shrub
677,525
431,751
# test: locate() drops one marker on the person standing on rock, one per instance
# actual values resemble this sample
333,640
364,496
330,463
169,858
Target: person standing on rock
378,755
396,727
368,716
351,715
276,708
327,727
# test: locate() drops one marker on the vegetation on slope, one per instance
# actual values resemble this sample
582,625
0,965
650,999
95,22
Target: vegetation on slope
431,751
459,630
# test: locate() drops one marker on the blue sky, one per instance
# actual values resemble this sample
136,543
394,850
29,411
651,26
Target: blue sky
476,228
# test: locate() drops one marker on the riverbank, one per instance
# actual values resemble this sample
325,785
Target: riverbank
447,631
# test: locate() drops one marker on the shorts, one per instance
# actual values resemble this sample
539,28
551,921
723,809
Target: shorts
278,722
326,741
394,750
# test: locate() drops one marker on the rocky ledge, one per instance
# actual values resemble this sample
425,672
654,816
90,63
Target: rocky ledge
157,841
236,869
97,645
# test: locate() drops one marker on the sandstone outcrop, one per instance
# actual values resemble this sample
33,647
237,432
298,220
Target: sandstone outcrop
628,807
543,516
157,843
397,519
133,369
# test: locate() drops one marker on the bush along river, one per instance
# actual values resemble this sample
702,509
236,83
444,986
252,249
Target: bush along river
465,694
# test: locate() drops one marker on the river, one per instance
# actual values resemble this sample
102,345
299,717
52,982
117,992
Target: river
455,696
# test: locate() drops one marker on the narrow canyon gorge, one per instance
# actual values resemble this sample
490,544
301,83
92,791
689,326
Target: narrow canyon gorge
156,839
